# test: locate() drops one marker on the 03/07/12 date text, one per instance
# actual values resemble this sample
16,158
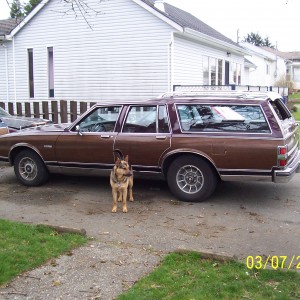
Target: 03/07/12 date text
274,262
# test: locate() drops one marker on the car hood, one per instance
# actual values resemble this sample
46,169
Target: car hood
18,123
38,130
47,128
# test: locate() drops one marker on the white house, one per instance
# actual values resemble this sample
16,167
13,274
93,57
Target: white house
119,49
292,62
265,68
293,67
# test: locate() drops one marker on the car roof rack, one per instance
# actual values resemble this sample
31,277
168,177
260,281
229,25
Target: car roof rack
222,94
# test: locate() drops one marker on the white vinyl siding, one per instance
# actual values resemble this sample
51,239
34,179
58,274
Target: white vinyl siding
123,56
188,57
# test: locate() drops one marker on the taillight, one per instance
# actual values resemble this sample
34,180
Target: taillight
282,155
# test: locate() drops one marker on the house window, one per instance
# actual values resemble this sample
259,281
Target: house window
205,70
267,69
220,72
236,73
213,71
30,72
233,73
50,72
296,74
239,73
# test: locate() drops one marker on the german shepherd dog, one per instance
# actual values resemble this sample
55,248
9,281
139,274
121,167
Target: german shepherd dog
121,181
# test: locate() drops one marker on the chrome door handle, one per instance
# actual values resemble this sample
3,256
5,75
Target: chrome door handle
161,137
105,136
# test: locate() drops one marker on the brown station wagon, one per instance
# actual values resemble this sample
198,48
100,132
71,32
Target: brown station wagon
193,140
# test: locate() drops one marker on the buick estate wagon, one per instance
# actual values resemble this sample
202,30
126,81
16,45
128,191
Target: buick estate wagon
194,140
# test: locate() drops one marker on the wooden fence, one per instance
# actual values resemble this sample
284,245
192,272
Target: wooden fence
65,111
62,111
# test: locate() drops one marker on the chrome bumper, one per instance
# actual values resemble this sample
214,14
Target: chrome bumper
283,176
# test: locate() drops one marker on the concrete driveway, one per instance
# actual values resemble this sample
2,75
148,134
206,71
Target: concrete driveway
240,219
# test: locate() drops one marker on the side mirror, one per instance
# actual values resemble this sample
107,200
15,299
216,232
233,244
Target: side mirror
78,130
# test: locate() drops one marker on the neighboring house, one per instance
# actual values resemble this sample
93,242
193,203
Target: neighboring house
263,67
293,67
128,49
292,61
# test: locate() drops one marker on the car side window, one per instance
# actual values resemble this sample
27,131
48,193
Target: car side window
141,119
163,123
222,118
101,119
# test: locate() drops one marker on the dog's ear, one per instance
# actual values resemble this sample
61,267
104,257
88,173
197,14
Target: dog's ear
118,160
126,158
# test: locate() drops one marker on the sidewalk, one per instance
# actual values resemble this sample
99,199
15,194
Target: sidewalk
97,271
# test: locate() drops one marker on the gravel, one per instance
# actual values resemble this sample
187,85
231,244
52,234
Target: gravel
97,271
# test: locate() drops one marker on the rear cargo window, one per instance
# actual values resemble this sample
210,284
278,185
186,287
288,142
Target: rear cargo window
222,118
280,109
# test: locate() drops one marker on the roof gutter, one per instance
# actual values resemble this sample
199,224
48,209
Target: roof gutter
215,42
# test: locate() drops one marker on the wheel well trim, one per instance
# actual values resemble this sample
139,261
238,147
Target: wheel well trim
179,152
25,146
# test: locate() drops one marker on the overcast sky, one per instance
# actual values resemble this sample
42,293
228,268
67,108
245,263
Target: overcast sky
277,19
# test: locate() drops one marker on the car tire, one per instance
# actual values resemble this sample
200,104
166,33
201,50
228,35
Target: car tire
30,169
191,178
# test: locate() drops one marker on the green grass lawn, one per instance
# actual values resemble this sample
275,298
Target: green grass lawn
296,114
24,247
294,96
187,276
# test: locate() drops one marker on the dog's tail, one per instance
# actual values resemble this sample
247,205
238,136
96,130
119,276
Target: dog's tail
119,153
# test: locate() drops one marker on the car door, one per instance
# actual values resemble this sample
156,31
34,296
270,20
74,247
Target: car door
145,136
88,145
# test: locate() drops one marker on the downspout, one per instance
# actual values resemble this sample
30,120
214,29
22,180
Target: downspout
14,68
6,71
170,63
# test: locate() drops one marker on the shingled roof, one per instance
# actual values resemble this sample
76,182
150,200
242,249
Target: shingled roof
187,20
6,26
294,55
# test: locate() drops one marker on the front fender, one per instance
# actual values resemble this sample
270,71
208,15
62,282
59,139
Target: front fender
17,148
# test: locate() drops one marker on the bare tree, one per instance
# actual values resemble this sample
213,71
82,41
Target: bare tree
77,7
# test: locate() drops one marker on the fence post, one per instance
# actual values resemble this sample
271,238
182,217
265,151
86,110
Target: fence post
45,108
19,109
73,110
11,108
63,111
83,107
27,109
36,109
54,109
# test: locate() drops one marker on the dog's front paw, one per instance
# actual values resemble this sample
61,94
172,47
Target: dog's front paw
125,209
114,209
